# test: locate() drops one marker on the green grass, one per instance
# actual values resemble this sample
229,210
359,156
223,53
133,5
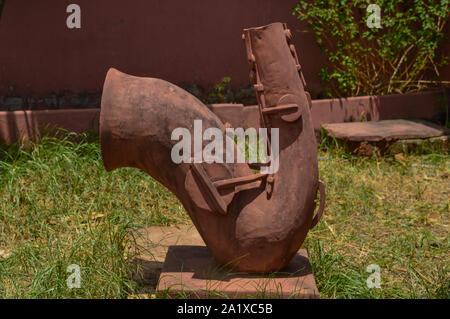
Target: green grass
60,207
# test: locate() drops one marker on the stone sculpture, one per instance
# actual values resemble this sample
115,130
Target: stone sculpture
252,222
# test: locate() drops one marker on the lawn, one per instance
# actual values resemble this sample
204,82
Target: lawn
60,207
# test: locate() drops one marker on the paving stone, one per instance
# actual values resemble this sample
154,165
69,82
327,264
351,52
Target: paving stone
153,244
177,254
191,272
382,130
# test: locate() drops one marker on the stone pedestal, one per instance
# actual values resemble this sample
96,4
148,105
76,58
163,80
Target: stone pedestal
191,272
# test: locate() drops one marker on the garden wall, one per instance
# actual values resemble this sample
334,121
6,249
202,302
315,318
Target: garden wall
44,64
431,106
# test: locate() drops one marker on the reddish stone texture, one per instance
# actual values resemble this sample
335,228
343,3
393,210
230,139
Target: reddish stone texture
180,41
382,130
387,137
191,271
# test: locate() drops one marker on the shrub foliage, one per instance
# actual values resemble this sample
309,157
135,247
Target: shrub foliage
400,56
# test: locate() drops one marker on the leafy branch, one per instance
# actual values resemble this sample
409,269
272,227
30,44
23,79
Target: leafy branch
401,56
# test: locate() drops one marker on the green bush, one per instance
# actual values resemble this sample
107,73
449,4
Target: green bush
401,56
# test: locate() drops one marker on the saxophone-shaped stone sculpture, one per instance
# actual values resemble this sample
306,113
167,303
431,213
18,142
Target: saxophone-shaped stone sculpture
252,222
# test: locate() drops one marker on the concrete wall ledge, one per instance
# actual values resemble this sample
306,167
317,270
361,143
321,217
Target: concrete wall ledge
26,125
429,105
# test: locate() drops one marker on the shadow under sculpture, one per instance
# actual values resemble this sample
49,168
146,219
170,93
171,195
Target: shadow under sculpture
253,223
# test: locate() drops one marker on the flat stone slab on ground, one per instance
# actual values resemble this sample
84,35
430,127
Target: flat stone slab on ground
153,244
382,130
191,272
158,239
